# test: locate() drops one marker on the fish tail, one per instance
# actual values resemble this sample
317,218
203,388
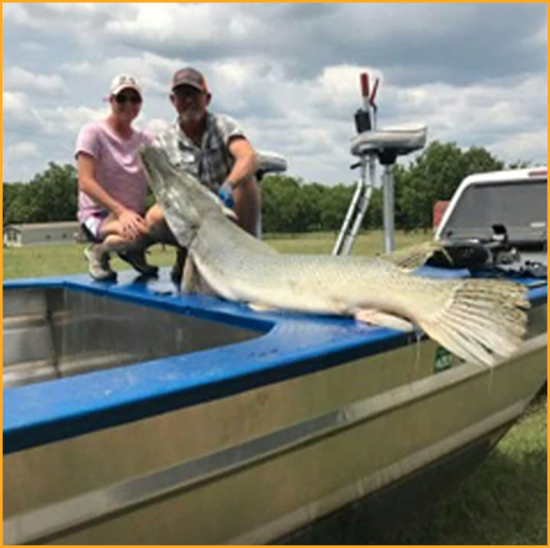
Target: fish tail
480,320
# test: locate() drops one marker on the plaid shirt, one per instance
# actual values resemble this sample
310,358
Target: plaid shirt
212,162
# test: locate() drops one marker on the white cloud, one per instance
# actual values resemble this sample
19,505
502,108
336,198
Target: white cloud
15,13
63,120
44,123
183,22
72,8
13,102
31,16
19,78
21,151
472,114
153,71
33,48
527,146
81,68
541,37
19,118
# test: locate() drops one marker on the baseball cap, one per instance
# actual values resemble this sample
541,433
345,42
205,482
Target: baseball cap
189,76
124,81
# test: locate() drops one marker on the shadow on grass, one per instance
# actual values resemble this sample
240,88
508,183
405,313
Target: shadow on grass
504,502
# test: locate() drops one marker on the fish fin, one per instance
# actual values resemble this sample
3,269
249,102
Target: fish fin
191,277
229,213
193,281
226,211
480,320
415,256
260,307
377,317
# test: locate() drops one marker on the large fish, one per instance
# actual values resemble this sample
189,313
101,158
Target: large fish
478,320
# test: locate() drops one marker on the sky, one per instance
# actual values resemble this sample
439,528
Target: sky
476,74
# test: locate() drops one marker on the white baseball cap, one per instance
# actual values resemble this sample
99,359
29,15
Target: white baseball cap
124,81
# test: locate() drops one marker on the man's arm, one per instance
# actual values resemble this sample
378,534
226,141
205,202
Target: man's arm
246,162
246,193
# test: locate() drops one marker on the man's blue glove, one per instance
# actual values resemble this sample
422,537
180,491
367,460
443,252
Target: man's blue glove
226,195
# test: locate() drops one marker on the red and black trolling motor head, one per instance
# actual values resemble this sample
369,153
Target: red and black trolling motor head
364,116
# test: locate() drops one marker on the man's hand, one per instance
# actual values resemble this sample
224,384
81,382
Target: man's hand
133,224
226,195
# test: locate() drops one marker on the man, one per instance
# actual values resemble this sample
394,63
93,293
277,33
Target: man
213,148
112,184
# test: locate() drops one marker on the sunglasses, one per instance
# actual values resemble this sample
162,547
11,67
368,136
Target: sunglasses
121,99
187,92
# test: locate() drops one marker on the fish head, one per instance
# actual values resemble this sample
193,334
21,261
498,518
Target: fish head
178,193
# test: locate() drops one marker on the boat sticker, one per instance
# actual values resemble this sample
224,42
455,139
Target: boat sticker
443,360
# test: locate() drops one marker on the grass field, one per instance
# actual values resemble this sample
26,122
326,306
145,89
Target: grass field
48,260
504,502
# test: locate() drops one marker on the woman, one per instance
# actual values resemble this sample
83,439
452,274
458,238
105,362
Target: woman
112,183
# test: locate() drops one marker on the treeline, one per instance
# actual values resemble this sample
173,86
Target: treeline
50,196
289,204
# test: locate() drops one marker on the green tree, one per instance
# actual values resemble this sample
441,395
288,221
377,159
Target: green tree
480,160
311,199
19,204
281,204
520,164
334,205
10,193
55,194
50,196
374,217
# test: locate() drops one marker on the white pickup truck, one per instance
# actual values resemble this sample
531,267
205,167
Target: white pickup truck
497,222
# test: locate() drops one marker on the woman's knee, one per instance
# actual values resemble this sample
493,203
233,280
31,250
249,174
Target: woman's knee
157,228
111,226
154,217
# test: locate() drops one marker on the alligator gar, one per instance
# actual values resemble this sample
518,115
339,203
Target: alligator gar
478,320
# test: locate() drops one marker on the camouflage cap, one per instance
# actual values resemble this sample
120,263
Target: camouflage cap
189,76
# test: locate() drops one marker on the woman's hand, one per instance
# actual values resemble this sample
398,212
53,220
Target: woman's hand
133,224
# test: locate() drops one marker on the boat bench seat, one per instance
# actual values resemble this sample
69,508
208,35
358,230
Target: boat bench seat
270,162
400,140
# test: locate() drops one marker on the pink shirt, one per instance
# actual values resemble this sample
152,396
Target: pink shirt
119,169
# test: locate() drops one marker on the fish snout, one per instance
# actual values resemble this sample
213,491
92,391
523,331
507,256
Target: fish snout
157,164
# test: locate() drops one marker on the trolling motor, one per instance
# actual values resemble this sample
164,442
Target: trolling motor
363,115
372,145
495,255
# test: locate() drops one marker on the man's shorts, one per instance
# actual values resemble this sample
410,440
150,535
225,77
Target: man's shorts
91,227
